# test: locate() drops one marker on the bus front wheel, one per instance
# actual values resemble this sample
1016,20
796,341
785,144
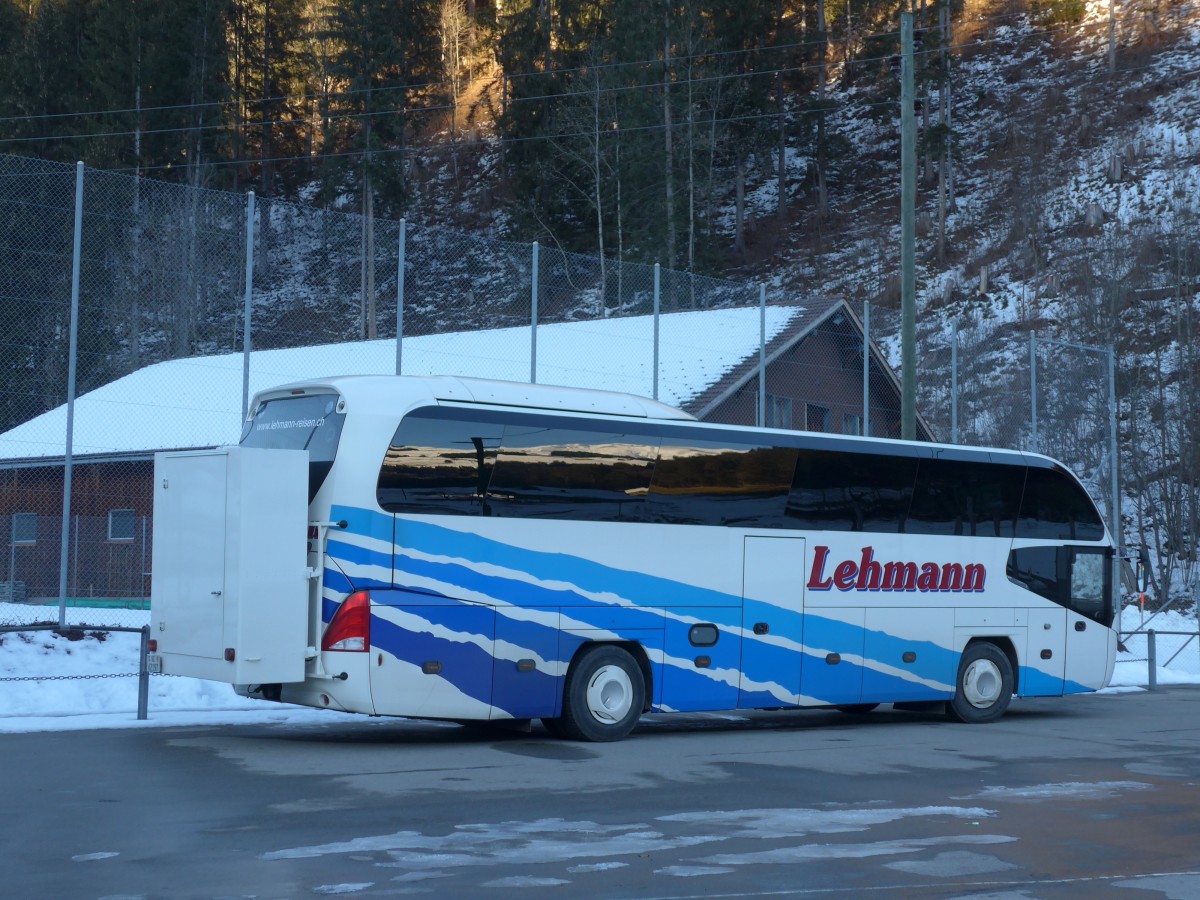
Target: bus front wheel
984,686
604,695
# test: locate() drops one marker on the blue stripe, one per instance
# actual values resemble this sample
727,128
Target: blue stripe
336,581
361,556
934,662
680,686
467,666
1035,683
691,690
514,591
587,575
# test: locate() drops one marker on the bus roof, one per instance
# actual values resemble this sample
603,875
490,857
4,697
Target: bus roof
398,393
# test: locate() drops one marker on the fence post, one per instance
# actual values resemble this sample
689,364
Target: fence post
246,310
12,553
1114,464
657,312
65,536
75,561
762,355
954,386
400,297
144,676
1152,659
1033,391
866,417
533,318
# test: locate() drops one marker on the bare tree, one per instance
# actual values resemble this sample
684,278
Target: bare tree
455,28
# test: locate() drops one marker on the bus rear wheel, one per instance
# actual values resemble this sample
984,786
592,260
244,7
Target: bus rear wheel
984,686
604,695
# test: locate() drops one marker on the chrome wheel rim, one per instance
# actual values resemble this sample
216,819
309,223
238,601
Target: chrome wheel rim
982,683
609,695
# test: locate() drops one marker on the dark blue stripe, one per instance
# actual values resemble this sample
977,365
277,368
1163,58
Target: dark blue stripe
465,665
359,555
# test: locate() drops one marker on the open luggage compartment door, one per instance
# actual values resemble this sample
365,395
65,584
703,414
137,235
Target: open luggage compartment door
229,600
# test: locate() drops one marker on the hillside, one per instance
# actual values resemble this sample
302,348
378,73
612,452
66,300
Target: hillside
1072,212
755,142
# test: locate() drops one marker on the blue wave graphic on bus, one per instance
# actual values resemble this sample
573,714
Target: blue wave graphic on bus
542,604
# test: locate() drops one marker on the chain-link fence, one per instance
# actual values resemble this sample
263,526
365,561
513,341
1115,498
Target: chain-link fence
163,306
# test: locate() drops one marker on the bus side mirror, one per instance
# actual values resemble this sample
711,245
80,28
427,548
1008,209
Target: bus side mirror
1143,570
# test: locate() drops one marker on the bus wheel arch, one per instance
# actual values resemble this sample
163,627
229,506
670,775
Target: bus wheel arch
605,692
985,682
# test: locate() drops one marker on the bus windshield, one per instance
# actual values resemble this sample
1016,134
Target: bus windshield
308,422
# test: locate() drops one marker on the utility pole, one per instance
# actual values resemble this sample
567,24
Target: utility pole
908,202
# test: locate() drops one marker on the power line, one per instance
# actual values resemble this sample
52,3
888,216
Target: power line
429,109
550,73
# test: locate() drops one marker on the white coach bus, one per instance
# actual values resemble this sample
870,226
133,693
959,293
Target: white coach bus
484,550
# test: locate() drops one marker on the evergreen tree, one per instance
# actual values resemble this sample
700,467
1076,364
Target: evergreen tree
268,83
384,52
47,79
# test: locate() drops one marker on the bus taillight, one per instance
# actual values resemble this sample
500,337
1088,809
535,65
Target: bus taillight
350,628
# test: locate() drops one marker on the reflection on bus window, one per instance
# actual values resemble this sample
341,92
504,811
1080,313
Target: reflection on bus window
439,466
712,483
565,473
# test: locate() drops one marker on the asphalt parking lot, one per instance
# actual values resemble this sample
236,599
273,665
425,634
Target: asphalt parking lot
1084,796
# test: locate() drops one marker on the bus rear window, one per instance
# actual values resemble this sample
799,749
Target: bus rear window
309,423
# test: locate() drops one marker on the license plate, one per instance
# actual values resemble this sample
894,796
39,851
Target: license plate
154,664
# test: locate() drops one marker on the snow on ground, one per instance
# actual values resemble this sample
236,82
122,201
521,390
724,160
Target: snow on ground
70,684
91,682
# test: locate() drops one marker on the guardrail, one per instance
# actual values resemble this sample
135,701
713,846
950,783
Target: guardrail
1151,635
143,668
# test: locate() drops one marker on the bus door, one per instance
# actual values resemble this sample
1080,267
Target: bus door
1090,642
772,622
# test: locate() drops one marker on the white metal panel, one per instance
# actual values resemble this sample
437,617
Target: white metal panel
230,564
189,553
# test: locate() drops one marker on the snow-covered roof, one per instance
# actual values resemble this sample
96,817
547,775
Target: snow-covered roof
197,402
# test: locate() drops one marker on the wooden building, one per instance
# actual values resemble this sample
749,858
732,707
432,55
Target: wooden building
709,365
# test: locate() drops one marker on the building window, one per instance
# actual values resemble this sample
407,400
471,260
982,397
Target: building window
851,424
816,418
24,528
121,524
779,412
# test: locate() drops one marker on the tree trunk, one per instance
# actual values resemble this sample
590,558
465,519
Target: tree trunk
781,174
822,77
268,107
372,332
668,155
739,240
597,132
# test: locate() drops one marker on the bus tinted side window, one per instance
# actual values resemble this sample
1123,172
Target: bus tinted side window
716,483
438,465
565,473
961,497
851,491
1056,508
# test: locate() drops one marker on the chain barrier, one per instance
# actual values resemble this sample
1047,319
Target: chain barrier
71,677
